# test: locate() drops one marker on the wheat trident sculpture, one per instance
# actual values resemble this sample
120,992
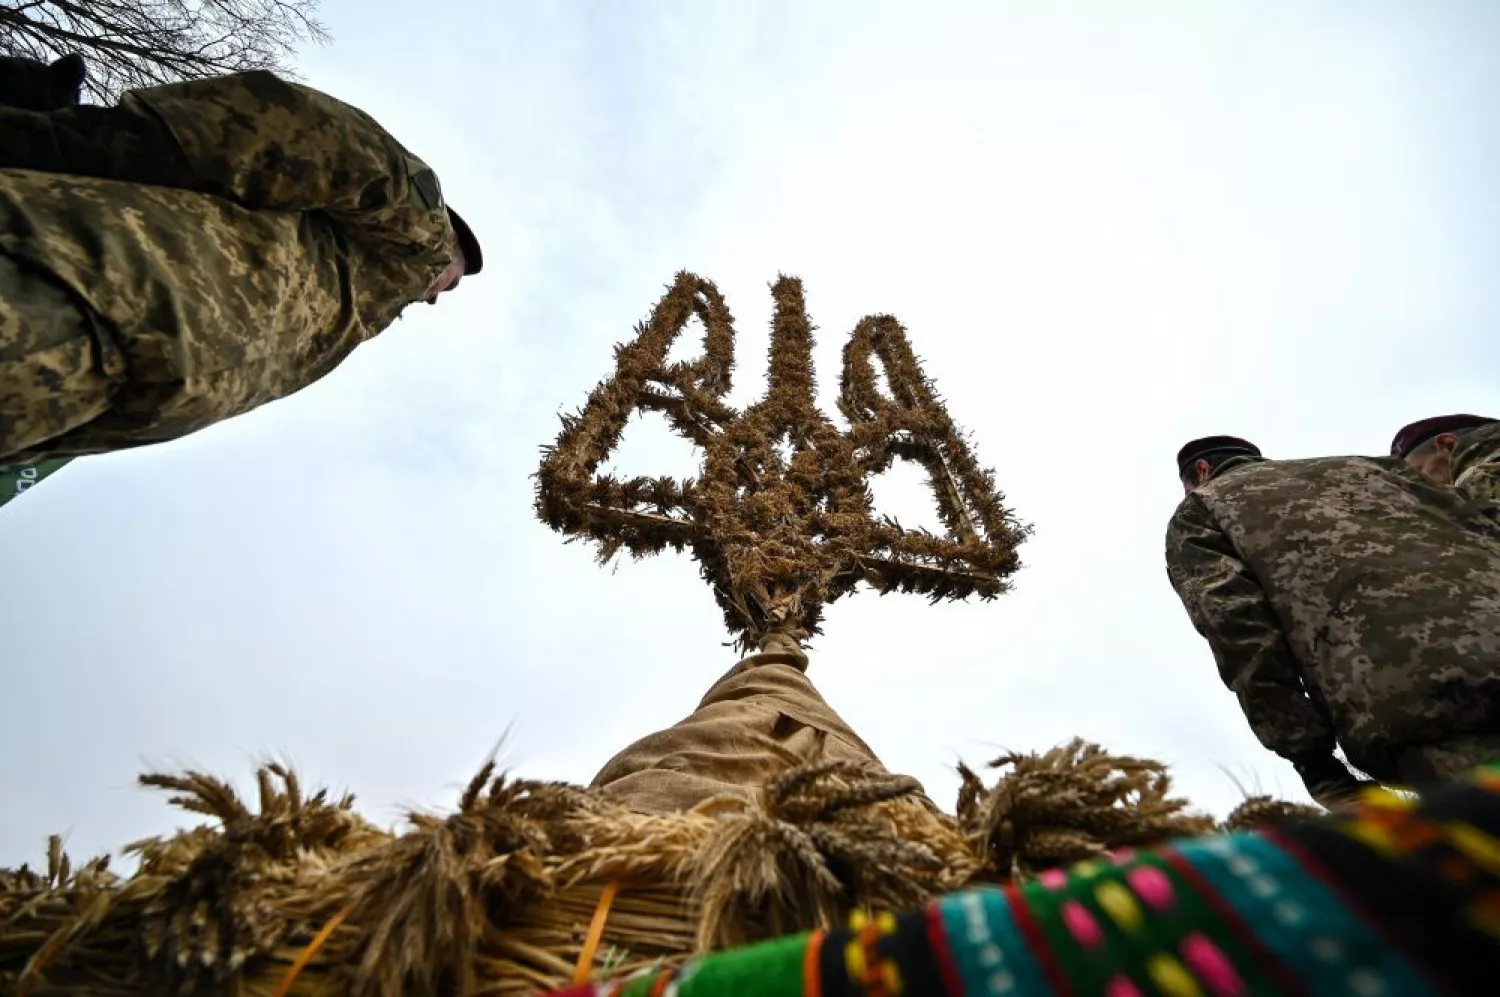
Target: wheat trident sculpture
781,521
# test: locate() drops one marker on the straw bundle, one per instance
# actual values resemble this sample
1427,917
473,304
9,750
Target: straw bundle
301,895
781,520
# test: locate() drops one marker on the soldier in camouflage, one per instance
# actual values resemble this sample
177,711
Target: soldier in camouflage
1348,601
1461,450
33,85
196,251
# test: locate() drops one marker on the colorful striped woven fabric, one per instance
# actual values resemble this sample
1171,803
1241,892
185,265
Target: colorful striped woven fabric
1399,898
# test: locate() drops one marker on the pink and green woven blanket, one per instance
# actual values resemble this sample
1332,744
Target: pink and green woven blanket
1400,898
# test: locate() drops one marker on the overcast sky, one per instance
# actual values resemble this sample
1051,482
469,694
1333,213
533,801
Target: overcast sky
1108,229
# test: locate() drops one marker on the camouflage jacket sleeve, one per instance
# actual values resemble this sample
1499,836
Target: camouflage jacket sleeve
1229,608
1476,465
254,139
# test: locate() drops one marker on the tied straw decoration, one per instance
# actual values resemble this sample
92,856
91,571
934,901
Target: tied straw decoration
781,521
563,882
528,885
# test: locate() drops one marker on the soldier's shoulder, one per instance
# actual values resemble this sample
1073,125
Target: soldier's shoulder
1334,464
1259,496
1479,445
1309,469
1191,516
252,90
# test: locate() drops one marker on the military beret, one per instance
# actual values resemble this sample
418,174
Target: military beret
473,256
1213,444
1412,436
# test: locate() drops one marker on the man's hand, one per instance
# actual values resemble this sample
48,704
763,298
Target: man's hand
1329,781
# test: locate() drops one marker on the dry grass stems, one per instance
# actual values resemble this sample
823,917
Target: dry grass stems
495,898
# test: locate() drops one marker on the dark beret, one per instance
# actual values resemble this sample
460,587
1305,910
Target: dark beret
1418,433
1213,444
473,256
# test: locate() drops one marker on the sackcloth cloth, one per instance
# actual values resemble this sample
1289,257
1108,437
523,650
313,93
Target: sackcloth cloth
762,718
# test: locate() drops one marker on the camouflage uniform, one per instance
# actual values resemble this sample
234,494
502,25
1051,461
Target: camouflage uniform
194,252
1476,466
1348,600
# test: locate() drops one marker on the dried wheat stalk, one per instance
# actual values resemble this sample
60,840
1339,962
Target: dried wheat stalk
495,897
781,521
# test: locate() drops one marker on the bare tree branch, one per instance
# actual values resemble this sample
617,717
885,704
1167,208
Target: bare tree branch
141,43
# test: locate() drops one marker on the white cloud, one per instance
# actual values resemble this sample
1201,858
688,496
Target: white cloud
1106,233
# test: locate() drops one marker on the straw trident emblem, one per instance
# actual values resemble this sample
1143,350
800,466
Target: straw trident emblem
781,521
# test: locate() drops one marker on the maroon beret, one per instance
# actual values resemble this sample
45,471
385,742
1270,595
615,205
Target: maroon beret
1213,444
1412,436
